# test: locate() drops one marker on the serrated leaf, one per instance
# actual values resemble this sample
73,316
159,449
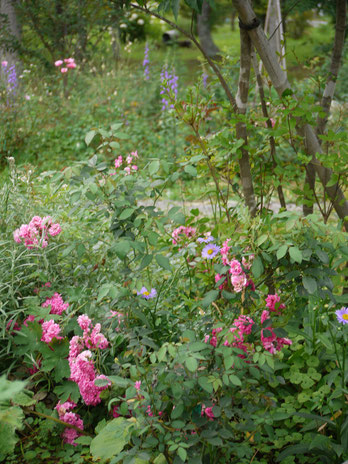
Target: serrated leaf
235,380
205,384
154,167
191,364
126,213
111,440
282,251
295,254
309,284
191,170
90,136
257,267
210,297
163,261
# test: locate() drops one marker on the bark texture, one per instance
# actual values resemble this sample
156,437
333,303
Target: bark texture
7,8
241,132
280,82
204,32
269,124
336,60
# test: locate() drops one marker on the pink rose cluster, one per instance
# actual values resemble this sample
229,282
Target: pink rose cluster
68,63
50,330
64,413
208,412
241,327
239,278
36,233
181,232
56,303
81,363
130,167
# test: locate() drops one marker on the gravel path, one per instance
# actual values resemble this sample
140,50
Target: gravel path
206,209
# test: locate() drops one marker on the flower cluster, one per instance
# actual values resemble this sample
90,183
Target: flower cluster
147,294
81,363
272,303
169,85
146,63
129,160
50,330
68,63
179,233
241,328
208,412
57,304
64,413
119,317
11,77
238,277
35,234
270,341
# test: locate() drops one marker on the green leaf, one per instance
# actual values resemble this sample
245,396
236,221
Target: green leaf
309,284
145,261
121,248
111,439
282,251
205,384
90,136
191,170
257,267
177,412
182,454
191,364
235,380
210,297
23,399
163,262
126,213
154,167
293,451
295,254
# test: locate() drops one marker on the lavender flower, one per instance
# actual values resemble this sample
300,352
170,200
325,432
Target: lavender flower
342,315
210,251
145,293
146,63
169,85
206,239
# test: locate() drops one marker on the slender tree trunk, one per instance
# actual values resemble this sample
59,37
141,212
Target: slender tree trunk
204,33
241,132
7,8
280,82
269,124
336,61
341,19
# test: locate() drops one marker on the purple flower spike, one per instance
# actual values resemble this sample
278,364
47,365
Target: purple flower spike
342,315
210,251
145,293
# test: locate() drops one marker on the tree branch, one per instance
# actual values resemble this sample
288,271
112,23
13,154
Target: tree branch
336,60
280,82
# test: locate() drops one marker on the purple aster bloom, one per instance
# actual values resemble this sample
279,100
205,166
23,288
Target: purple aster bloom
145,293
206,239
209,251
342,315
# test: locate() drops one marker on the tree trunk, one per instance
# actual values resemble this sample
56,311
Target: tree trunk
204,33
7,8
274,30
241,132
341,14
280,82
